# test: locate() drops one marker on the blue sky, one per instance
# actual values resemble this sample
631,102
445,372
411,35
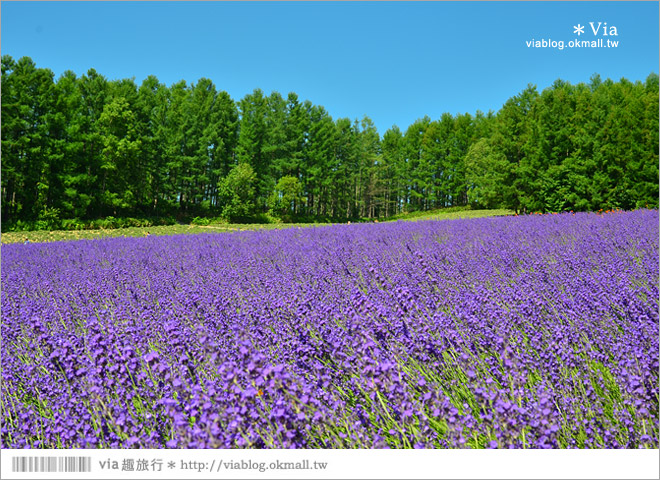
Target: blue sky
393,61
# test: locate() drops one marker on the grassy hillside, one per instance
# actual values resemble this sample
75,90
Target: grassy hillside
451,214
62,235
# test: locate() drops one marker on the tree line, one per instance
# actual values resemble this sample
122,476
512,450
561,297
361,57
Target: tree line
88,147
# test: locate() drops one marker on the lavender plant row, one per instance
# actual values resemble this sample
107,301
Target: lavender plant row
524,332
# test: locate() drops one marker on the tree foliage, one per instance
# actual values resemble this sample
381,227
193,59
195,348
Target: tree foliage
237,191
88,147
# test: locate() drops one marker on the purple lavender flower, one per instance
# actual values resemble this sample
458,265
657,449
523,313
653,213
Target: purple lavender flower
526,332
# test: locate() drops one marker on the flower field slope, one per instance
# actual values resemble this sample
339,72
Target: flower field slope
525,332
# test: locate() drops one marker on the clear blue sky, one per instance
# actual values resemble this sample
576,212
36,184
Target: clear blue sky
394,61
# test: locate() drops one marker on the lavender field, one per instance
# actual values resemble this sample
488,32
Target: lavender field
523,332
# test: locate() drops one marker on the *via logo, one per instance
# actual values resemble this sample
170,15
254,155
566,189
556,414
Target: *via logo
596,29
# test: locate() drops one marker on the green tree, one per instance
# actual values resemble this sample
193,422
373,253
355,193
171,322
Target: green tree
369,186
237,191
225,139
94,92
488,176
394,171
320,163
151,95
344,169
119,164
88,147
286,198
416,168
510,137
252,144
27,101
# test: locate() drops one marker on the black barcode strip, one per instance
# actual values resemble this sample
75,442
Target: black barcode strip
51,464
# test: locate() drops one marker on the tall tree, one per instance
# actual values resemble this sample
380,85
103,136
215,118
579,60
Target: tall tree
416,167
510,137
66,149
94,93
148,111
394,170
88,147
321,165
224,140
27,100
252,141
120,168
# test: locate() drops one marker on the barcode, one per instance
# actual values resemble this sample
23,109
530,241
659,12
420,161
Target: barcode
51,464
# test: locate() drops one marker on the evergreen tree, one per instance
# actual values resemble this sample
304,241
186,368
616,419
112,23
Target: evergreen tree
394,168
252,145
88,147
415,168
